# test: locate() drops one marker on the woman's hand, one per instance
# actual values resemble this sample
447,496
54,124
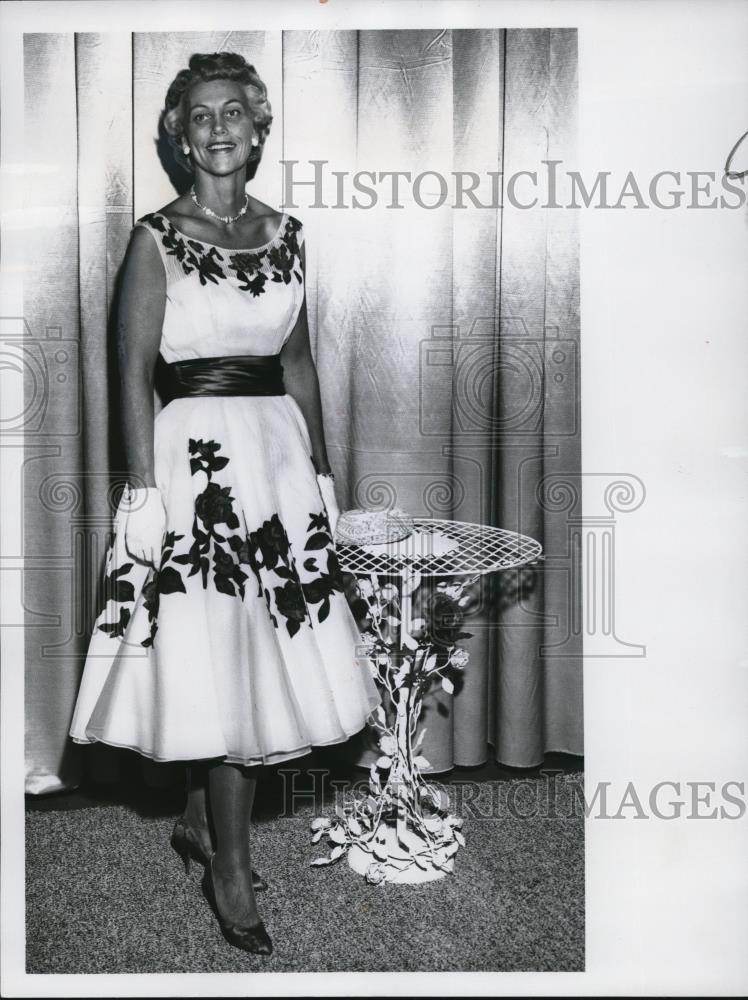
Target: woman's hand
145,523
327,489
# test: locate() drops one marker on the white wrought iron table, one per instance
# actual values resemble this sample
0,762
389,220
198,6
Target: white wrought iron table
417,847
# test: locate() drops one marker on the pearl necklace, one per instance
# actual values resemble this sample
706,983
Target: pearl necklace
214,215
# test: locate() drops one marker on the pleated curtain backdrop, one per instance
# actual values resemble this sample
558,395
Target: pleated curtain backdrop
392,292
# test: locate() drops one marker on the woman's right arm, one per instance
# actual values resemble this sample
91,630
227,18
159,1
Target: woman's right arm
139,322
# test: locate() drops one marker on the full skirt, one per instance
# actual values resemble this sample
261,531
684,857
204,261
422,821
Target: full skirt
241,645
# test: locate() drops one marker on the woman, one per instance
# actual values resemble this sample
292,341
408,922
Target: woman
225,638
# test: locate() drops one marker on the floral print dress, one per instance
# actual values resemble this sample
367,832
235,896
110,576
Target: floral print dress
241,644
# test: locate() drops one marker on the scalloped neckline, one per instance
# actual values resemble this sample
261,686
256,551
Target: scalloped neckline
278,235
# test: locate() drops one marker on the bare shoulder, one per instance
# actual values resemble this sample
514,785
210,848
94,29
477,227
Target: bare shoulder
142,244
142,263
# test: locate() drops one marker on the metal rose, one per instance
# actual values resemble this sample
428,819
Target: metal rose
459,657
376,873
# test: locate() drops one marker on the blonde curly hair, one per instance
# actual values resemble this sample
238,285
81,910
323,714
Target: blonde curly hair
215,66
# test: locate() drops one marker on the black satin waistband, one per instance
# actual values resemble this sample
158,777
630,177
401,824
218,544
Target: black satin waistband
235,375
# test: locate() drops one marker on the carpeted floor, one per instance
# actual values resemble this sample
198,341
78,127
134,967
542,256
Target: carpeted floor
106,894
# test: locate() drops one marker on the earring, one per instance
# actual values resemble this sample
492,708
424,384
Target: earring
255,141
185,149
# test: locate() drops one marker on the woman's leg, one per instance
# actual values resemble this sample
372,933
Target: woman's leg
196,808
231,792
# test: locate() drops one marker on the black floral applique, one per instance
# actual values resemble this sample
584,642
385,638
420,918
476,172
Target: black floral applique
209,266
165,580
328,581
284,264
293,227
283,261
294,598
247,269
120,590
219,544
266,551
270,552
191,254
279,261
214,509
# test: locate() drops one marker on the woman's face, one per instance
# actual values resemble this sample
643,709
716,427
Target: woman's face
219,126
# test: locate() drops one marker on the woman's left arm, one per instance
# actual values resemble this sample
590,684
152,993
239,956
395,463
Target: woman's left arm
301,381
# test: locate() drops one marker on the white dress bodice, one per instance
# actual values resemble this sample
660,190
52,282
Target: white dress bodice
222,302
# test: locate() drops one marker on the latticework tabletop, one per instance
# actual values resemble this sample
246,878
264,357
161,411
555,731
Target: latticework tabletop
480,548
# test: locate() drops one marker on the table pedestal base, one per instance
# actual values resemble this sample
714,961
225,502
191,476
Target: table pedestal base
399,867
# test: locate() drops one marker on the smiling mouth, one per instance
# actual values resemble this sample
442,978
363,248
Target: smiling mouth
220,147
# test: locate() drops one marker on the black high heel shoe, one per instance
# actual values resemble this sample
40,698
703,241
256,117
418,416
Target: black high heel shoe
250,937
185,842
